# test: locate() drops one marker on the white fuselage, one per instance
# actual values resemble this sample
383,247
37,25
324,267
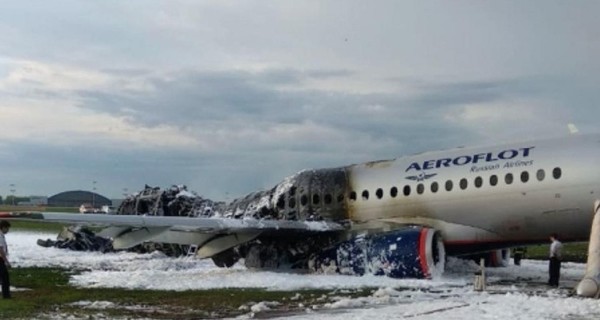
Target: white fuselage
554,185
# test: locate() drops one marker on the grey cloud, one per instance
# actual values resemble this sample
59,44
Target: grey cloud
323,74
400,125
192,99
516,51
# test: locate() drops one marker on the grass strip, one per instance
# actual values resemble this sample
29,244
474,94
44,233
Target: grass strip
48,292
572,252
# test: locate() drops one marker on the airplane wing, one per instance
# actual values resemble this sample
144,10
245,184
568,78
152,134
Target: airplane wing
211,235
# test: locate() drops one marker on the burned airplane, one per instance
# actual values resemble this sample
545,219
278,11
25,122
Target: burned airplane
397,217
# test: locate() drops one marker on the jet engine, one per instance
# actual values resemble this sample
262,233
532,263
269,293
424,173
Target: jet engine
414,252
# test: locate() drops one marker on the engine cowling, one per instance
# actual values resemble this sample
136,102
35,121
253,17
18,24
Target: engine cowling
415,252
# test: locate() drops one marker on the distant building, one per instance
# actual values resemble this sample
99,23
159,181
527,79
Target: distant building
77,198
35,201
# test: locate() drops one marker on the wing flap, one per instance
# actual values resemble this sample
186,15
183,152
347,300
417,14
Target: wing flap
130,239
220,244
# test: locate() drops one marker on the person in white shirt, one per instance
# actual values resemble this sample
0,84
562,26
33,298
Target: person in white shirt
4,263
555,260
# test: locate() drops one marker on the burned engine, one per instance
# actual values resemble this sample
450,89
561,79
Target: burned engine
412,252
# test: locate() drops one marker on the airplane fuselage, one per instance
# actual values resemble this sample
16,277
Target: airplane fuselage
478,198
507,194
395,217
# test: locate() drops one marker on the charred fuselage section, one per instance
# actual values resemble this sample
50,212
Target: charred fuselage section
310,195
174,201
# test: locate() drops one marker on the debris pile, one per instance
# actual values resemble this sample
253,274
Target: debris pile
309,195
175,201
78,239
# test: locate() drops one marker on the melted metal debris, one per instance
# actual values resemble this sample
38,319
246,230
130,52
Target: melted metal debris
310,195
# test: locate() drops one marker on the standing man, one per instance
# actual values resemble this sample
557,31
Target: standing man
555,258
4,263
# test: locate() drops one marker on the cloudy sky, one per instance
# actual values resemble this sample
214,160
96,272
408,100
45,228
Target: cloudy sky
231,96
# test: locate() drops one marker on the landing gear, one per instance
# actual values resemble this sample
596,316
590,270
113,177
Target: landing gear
258,257
225,259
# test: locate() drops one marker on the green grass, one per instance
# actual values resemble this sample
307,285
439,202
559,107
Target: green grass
37,226
574,252
50,291
39,208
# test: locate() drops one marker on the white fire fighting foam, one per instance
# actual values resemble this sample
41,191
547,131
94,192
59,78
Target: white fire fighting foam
514,292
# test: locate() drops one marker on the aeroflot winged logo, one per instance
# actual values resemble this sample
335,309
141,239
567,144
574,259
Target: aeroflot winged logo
479,162
422,176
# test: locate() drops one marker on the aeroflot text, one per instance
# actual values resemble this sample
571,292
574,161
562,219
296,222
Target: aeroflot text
471,159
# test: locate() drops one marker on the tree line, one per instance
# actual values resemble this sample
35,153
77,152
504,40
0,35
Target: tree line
10,200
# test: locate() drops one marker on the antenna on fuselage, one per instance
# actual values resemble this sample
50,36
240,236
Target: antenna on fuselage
572,128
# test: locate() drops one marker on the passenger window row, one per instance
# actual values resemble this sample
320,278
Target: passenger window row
463,183
434,187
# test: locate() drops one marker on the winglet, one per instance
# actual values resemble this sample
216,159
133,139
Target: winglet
572,128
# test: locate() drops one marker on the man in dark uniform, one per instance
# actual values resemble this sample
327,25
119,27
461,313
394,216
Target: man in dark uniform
4,263
555,259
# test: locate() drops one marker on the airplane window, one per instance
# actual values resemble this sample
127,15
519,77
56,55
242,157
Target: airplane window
434,187
524,176
478,182
449,185
420,188
394,192
328,199
281,202
292,191
379,193
365,195
303,200
316,199
353,195
292,202
406,191
541,174
508,178
493,180
463,183
340,198
557,173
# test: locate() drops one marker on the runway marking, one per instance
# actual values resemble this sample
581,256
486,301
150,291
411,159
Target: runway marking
439,310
